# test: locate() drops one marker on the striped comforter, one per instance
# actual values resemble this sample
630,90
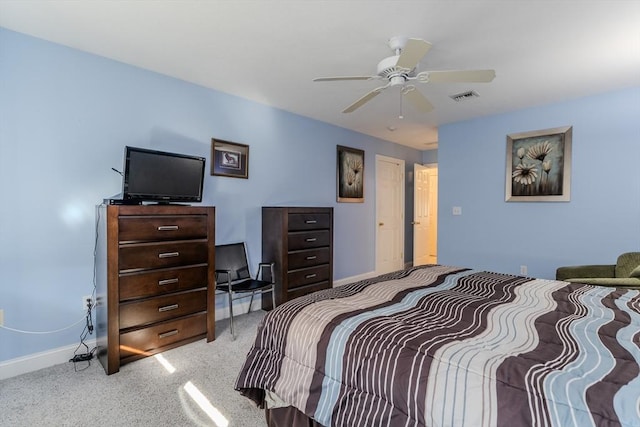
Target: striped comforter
445,346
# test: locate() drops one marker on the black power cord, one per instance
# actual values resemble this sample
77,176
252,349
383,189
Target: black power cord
88,354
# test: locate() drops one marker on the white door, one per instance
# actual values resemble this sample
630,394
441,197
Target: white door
389,214
425,217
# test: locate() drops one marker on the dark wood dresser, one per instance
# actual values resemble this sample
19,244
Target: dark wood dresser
155,280
300,242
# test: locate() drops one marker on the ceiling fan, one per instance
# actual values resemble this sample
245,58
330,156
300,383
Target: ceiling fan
400,69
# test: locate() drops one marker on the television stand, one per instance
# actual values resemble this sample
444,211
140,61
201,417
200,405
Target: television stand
155,284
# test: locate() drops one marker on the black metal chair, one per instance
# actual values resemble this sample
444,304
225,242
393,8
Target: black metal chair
233,276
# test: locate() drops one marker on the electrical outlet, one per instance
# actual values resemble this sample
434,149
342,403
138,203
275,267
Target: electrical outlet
1,317
84,302
523,270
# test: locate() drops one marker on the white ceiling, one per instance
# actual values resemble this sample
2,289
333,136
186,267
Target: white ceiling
270,50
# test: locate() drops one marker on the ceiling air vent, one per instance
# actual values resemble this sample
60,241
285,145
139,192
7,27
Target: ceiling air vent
464,96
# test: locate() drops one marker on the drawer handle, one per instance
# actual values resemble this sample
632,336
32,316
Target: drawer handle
310,276
309,258
167,308
168,254
311,221
168,228
311,239
167,282
168,334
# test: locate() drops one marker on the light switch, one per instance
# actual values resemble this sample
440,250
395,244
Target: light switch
457,210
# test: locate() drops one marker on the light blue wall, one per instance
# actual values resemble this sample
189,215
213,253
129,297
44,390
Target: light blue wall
65,117
602,219
429,156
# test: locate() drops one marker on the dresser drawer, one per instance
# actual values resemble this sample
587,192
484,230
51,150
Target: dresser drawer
164,281
159,255
308,239
162,227
138,342
308,258
306,276
308,221
147,311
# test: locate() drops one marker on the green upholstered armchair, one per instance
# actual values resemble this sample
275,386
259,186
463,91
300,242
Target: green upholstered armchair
624,273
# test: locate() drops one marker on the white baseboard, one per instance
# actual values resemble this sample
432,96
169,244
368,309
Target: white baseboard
352,279
36,361
239,308
45,359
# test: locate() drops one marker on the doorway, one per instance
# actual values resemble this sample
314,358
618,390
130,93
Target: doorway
425,214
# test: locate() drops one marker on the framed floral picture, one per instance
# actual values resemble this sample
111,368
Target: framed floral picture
350,175
539,166
229,159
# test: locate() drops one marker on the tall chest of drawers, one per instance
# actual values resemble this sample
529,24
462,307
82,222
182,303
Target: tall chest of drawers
155,283
300,242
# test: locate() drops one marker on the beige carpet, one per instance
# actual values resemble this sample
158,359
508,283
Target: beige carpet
143,393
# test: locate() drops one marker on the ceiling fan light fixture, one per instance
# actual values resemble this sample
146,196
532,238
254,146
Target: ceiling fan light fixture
397,80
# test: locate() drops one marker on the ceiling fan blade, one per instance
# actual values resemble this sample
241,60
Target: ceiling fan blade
418,100
413,52
333,79
366,98
460,76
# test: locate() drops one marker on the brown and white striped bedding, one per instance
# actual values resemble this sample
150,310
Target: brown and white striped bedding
446,346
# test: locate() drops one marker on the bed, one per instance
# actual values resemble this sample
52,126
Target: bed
447,346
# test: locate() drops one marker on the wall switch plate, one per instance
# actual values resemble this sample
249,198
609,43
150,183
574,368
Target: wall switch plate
523,270
1,317
457,210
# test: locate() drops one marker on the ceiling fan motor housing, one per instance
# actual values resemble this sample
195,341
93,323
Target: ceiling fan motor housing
387,69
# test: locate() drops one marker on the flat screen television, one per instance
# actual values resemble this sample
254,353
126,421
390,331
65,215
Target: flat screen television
162,177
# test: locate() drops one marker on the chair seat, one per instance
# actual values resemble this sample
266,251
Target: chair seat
248,285
233,276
